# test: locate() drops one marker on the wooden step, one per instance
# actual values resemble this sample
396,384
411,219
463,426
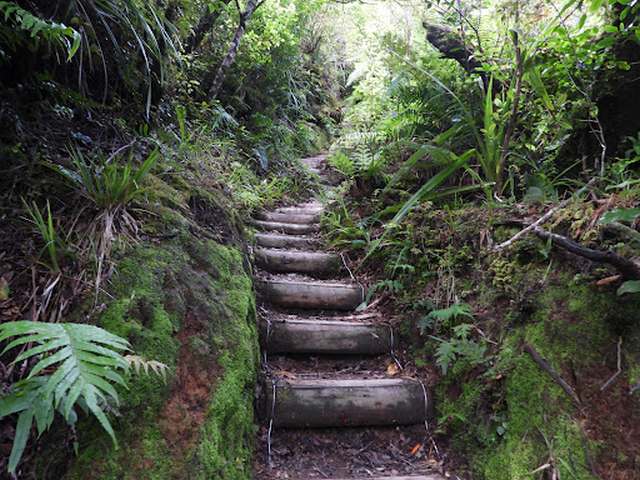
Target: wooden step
414,477
292,228
275,240
321,403
325,337
311,295
296,261
279,217
308,208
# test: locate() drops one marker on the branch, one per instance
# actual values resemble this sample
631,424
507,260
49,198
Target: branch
543,364
618,371
628,268
543,218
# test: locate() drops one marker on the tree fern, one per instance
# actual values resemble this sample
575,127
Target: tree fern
75,365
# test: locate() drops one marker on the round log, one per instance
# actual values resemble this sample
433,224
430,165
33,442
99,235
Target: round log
289,217
325,337
310,295
313,263
413,477
292,228
275,240
322,403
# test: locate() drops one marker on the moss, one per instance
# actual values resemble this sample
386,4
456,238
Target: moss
153,290
571,326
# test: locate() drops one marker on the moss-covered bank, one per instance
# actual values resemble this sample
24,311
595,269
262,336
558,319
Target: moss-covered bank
500,415
183,296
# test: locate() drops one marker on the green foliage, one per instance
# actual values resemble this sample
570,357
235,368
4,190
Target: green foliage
630,286
444,317
77,366
106,182
460,347
624,215
342,163
53,243
20,19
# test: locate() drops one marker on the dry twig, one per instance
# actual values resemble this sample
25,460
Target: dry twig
542,363
618,372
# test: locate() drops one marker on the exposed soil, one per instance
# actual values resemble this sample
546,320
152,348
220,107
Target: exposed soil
611,417
186,409
353,452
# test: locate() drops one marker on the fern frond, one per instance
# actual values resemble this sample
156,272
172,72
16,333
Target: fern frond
75,364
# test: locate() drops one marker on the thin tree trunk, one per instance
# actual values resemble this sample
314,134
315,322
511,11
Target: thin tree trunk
213,87
205,24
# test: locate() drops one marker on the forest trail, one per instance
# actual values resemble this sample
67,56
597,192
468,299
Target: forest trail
334,405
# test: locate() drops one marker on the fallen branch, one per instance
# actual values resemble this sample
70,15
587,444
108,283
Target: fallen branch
618,372
542,219
543,364
628,268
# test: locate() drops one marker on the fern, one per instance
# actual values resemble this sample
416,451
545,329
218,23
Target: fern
53,33
75,365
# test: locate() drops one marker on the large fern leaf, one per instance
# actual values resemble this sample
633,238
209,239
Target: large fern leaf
75,364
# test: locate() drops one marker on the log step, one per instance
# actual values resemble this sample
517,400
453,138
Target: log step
414,477
311,295
303,208
290,217
322,403
275,240
325,337
312,263
292,228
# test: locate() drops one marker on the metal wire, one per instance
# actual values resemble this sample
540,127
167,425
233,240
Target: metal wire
353,277
273,410
426,418
391,350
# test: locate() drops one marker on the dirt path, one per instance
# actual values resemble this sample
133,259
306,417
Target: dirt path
331,408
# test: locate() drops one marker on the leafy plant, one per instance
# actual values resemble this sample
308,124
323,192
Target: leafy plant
107,183
342,163
445,316
629,287
51,32
53,243
76,365
624,215
459,347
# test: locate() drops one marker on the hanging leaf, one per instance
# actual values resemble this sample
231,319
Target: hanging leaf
624,215
631,286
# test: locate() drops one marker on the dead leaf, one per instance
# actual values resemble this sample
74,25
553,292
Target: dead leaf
392,369
416,448
608,280
4,289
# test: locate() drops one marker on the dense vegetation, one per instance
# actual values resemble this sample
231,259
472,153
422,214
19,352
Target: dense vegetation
136,137
512,116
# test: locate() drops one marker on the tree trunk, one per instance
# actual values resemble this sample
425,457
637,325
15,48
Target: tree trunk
451,45
212,87
205,24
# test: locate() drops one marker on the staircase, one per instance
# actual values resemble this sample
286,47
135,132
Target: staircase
335,401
